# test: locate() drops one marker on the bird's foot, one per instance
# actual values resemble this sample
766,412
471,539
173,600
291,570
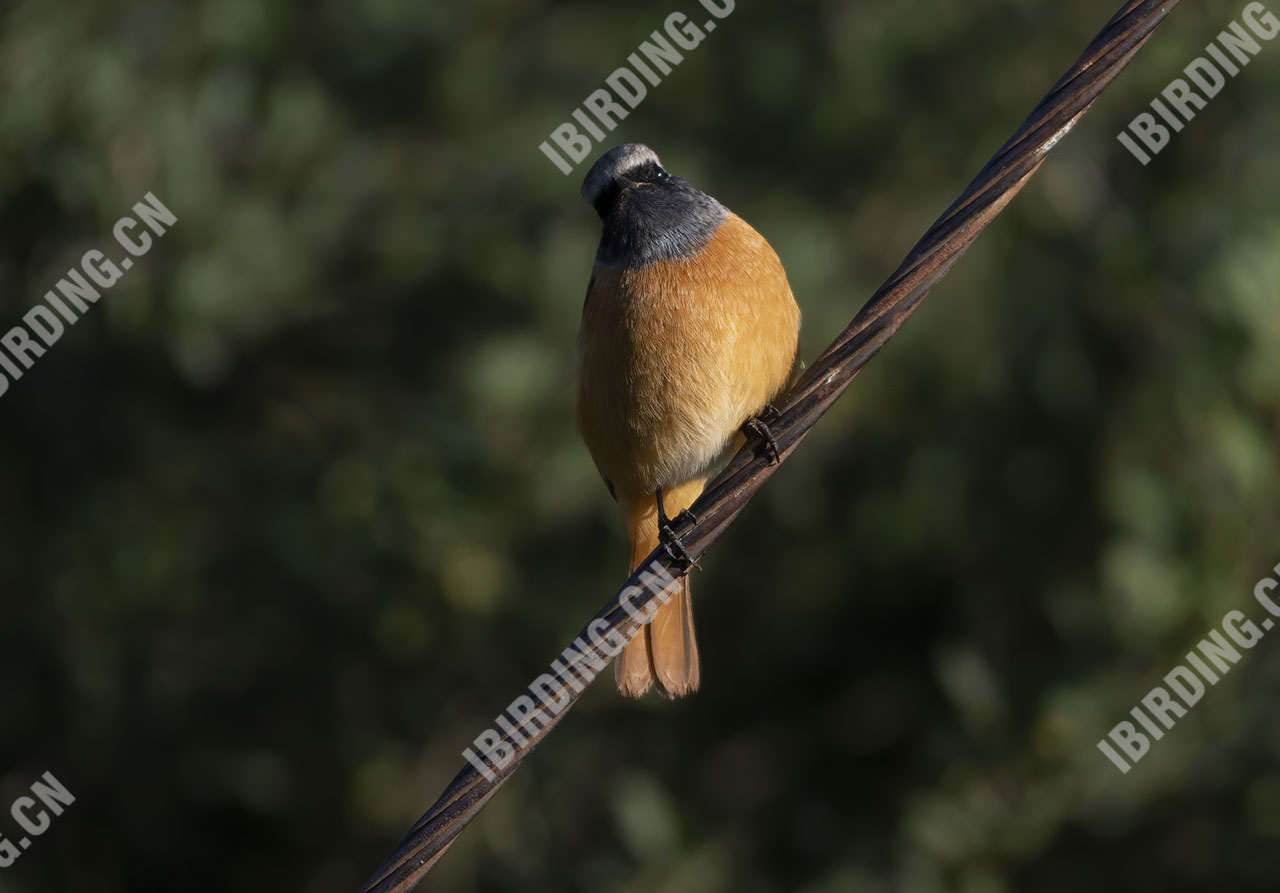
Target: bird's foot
668,537
759,427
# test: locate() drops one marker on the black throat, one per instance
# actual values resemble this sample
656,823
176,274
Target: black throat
663,220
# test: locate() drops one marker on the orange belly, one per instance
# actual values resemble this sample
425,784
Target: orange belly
675,356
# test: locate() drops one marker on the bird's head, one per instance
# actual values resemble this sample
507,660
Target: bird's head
628,167
648,214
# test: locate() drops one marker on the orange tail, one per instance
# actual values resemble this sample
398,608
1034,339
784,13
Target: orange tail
665,651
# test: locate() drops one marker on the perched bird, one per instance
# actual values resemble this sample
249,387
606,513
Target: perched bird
689,331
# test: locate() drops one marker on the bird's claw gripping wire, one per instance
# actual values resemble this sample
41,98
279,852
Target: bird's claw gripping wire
667,535
756,425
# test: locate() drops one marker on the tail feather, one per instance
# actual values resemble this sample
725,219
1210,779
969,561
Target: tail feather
664,652
633,670
672,645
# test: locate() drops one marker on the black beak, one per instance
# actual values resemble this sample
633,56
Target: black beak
609,198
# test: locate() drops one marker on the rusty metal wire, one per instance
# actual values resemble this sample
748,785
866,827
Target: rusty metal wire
828,376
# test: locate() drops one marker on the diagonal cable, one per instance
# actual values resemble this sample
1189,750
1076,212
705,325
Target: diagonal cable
826,379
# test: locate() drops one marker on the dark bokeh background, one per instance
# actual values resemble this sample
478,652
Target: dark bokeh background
299,506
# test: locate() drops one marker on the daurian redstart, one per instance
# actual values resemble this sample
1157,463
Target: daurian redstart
689,331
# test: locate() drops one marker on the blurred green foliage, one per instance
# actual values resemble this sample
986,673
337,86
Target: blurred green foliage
299,506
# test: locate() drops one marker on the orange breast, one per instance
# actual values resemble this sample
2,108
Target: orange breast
675,356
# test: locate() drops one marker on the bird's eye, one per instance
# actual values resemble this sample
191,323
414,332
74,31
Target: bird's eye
661,175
